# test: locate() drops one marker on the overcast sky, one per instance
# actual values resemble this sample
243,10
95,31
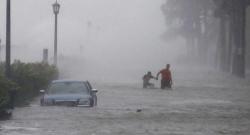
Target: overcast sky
120,31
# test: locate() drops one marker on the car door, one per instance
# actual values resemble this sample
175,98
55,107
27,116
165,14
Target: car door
93,94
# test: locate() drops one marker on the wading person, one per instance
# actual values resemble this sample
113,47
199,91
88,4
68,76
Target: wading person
166,77
146,78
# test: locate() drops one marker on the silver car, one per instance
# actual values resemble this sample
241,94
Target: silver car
69,93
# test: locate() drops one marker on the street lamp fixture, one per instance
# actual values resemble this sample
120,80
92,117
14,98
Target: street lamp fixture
56,8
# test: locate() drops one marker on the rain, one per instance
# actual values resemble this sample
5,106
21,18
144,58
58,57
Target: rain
113,43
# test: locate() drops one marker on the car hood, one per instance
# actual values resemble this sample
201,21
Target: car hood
66,97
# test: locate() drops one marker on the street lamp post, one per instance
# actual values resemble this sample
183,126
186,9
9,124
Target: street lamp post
56,8
8,40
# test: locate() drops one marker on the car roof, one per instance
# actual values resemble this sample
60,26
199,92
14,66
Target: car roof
69,81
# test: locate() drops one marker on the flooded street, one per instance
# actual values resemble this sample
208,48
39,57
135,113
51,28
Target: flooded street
193,107
200,48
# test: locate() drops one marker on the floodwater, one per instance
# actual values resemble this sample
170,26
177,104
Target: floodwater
212,106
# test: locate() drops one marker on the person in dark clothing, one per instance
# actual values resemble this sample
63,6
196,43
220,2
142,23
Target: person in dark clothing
146,78
166,77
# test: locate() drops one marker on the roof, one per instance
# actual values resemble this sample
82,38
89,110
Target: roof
62,81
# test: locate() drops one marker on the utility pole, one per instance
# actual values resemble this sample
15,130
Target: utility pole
0,50
8,40
45,55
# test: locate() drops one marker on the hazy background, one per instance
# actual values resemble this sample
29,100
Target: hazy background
99,39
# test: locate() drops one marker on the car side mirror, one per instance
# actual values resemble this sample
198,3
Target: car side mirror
94,90
42,91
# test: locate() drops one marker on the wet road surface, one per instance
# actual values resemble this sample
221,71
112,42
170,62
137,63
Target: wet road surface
197,107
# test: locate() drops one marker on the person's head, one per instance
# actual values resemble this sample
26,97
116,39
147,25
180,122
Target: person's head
168,66
149,73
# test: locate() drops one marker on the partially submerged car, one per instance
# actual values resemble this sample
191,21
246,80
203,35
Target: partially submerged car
69,93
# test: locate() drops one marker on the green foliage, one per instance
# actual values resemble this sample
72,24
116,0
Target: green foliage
5,87
31,78
26,80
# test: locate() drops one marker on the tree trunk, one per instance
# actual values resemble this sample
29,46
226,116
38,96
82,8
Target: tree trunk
230,44
200,42
222,44
239,34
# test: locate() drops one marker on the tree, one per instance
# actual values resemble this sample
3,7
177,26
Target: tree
195,20
189,19
235,12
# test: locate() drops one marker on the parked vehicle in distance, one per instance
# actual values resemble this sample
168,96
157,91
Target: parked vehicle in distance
69,93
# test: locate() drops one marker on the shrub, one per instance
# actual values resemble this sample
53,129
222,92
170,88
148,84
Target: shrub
26,79
6,87
31,77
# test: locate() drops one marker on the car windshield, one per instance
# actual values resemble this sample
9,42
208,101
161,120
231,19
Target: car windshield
67,88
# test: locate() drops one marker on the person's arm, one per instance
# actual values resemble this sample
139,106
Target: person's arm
171,81
158,75
143,78
153,77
